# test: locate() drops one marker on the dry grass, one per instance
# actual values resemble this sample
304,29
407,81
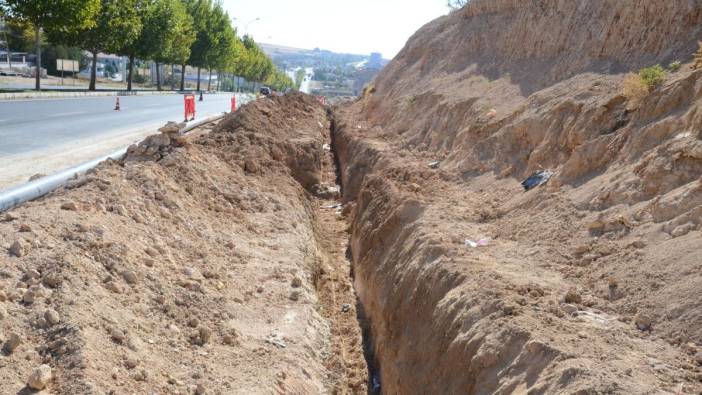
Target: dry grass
635,90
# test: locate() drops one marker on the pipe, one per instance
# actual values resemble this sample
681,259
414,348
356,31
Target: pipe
13,197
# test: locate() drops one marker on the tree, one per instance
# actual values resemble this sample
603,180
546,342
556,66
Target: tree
166,31
456,4
53,16
200,10
116,26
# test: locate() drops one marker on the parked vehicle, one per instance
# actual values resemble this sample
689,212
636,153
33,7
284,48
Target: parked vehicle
266,91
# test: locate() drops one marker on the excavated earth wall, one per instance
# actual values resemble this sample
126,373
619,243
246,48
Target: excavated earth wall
586,284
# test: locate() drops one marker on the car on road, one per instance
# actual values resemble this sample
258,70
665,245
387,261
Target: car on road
266,91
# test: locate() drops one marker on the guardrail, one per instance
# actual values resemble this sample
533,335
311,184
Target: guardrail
13,197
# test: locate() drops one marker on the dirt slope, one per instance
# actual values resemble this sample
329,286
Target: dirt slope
191,266
587,283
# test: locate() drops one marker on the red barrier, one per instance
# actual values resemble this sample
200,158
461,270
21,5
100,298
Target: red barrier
189,101
233,103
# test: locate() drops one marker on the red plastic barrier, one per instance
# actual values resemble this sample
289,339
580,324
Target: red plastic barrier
189,102
233,103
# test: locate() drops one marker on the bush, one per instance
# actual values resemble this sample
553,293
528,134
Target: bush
675,66
652,76
635,90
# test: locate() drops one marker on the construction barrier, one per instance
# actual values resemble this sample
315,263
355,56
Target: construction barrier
189,102
233,103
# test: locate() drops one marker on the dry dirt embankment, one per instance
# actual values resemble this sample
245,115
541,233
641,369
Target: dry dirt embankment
196,265
588,283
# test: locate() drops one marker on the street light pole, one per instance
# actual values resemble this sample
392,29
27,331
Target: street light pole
246,27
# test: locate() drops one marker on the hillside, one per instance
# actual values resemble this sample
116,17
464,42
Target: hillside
586,284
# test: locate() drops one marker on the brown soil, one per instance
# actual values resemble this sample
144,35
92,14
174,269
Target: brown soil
203,260
588,284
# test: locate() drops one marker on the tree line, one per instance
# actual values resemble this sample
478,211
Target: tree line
196,33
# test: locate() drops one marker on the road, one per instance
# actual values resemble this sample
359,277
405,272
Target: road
43,136
305,86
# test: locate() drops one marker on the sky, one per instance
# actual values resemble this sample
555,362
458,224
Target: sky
350,26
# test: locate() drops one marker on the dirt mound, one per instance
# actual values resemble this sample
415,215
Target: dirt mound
193,266
586,283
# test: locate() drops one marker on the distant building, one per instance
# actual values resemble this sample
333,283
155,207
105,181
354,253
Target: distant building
375,61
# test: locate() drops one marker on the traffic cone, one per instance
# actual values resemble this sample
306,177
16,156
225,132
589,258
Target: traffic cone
117,105
201,98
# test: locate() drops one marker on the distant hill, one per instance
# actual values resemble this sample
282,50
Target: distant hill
290,57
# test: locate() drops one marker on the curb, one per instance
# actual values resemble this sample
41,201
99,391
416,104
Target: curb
7,96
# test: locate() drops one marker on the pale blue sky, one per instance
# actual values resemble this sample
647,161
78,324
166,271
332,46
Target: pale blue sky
353,26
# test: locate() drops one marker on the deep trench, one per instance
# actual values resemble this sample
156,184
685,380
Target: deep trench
374,385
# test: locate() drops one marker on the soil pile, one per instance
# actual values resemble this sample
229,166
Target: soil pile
190,267
586,283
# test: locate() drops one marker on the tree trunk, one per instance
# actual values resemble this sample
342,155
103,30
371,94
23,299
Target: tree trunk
198,79
219,80
172,77
158,76
209,81
131,72
182,78
93,71
37,43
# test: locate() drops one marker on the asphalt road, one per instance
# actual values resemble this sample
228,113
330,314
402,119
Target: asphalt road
34,125
47,136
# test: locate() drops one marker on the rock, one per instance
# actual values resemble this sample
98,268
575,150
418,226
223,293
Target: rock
141,375
9,217
643,322
569,309
171,128
114,287
434,164
205,334
13,341
52,317
296,282
200,390
295,295
572,296
345,307
52,280
37,176
117,335
29,297
32,274
3,313
70,206
131,363
19,248
24,228
40,377
193,322
698,358
129,277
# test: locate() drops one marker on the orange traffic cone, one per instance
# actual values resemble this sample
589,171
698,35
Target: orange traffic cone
117,105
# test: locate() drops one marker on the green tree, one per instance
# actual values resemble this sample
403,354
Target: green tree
200,10
116,26
53,16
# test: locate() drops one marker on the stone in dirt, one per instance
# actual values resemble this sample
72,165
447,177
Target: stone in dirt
40,377
24,228
643,322
69,206
572,296
19,248
52,317
12,342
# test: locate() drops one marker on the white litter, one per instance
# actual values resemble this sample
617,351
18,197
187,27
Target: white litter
478,243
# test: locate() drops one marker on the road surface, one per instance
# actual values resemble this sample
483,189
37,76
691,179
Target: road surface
44,136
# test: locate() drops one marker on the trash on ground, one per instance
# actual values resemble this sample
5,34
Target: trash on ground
536,179
276,340
345,307
477,243
337,205
326,147
434,164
